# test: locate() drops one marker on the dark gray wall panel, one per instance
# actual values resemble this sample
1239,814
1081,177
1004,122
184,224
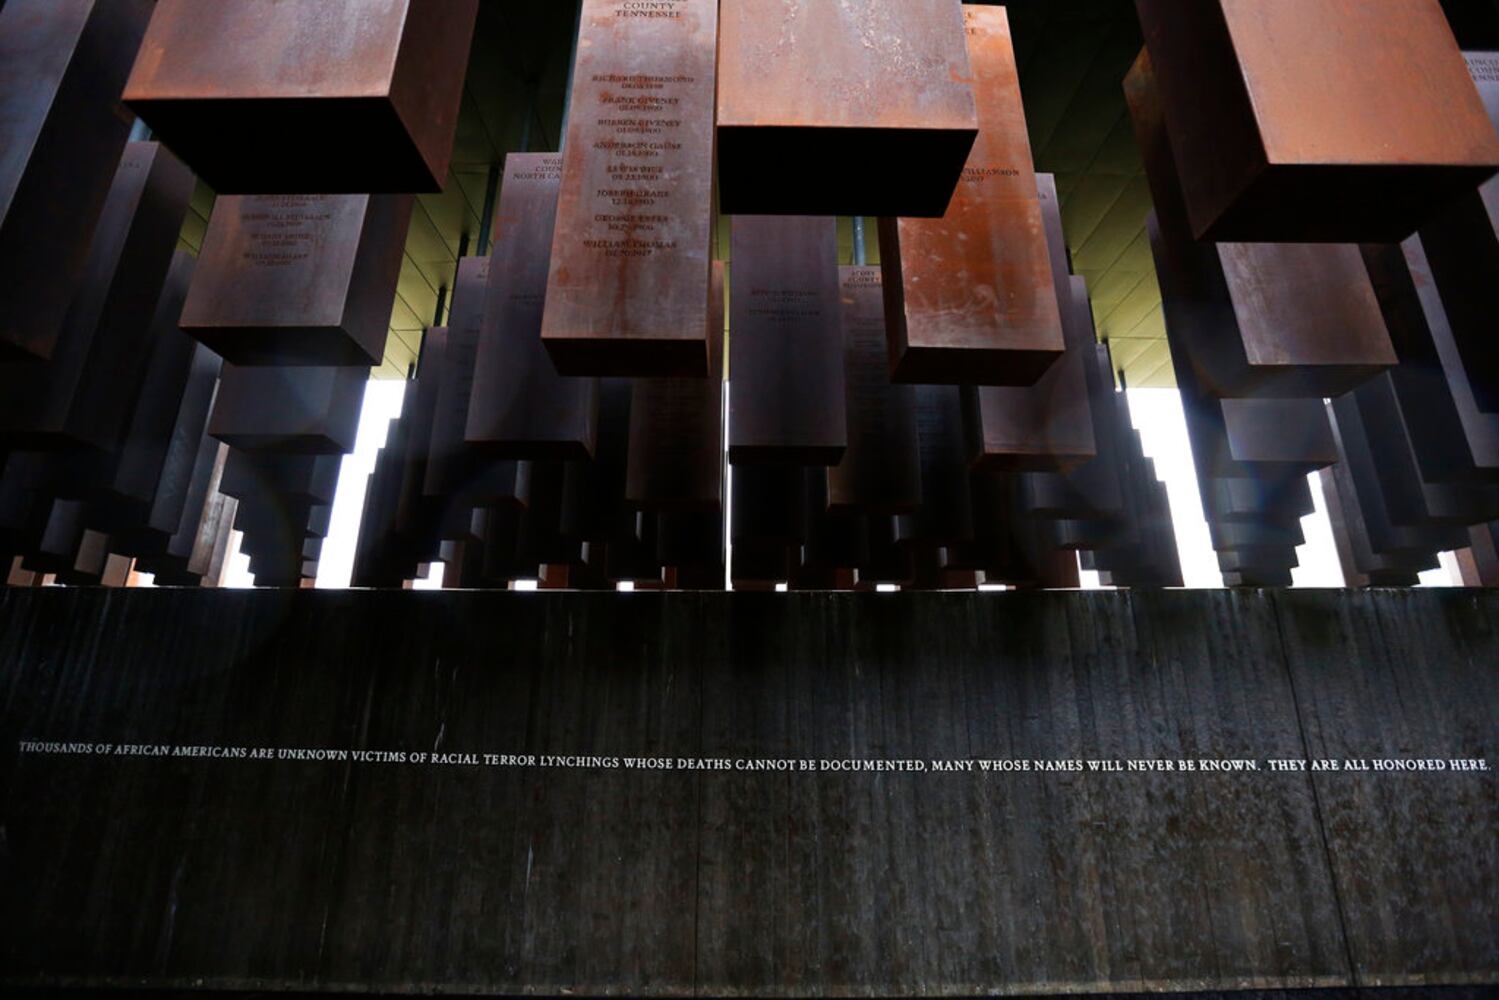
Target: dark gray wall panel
251,874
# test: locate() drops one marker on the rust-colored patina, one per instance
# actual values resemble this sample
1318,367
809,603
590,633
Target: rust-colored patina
298,279
881,470
808,87
1326,121
62,64
786,380
521,407
1297,320
288,96
969,297
1095,490
1049,425
296,411
628,290
676,431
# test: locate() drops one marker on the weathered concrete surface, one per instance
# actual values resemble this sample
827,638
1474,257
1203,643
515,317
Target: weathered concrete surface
246,874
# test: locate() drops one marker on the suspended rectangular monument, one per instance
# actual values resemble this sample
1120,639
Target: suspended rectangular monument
82,397
1462,244
1333,121
521,407
61,134
284,96
299,279
1412,499
855,108
786,378
969,296
628,291
1296,320
945,516
881,470
1357,454
179,485
298,411
676,431
172,378
1047,426
1452,439
307,479
462,478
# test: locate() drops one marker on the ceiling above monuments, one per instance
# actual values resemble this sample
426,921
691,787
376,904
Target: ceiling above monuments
1072,54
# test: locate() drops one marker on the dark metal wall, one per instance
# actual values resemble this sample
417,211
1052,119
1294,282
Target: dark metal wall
251,874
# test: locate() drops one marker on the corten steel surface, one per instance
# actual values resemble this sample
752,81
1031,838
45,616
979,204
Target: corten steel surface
888,562
676,459
1272,441
122,482
540,537
61,535
1297,320
207,520
1480,564
881,469
1251,501
628,290
419,517
82,397
274,538
969,297
163,384
156,453
996,550
1049,425
1357,460
375,564
1361,566
1453,439
836,540
1462,243
172,494
62,129
464,479
1334,121
1092,489
299,279
1095,498
521,407
1409,497
1146,555
312,479
786,380
808,88
946,513
289,410
289,96
593,506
